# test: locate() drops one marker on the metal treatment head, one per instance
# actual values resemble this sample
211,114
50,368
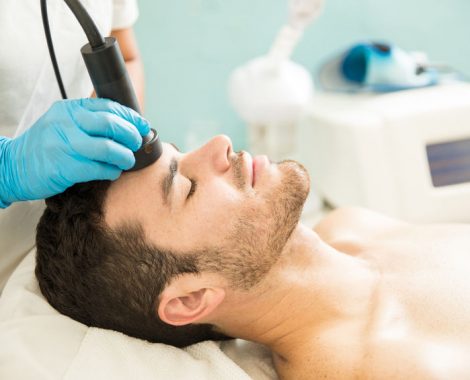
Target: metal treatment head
149,152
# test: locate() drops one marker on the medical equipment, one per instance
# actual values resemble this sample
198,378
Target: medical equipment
271,92
376,67
369,66
108,74
57,151
406,153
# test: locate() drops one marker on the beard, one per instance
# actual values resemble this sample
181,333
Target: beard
260,235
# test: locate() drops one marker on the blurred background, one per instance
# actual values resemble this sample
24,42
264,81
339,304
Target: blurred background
190,47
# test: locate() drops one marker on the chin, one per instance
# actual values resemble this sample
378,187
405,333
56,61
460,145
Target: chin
295,178
287,199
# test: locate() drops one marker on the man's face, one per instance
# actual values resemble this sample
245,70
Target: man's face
234,212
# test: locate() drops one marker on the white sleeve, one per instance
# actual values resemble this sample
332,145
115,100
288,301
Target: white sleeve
125,13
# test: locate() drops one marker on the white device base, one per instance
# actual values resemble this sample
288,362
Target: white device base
382,151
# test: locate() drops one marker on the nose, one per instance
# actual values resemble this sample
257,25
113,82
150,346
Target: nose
212,157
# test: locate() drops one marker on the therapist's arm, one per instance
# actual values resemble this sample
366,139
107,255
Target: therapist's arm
130,52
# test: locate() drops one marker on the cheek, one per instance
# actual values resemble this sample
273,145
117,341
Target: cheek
213,209
209,216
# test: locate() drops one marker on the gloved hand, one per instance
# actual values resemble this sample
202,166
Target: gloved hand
74,141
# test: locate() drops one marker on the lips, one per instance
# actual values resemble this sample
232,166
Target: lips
251,167
259,164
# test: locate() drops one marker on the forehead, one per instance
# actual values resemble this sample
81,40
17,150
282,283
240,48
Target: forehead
129,197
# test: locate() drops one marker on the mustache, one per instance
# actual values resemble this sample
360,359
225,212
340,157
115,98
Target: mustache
236,162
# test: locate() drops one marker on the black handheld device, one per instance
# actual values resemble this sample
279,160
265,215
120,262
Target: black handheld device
108,73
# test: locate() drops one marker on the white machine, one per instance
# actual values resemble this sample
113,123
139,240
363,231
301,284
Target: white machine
406,154
271,92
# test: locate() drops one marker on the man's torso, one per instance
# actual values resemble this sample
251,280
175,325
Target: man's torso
420,309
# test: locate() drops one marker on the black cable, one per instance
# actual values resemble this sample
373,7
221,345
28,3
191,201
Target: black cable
93,34
89,27
50,46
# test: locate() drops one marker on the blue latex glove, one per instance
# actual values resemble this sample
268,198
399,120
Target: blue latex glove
74,141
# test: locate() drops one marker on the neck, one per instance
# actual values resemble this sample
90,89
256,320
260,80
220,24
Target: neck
310,284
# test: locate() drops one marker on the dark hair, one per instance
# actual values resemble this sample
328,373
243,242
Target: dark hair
108,278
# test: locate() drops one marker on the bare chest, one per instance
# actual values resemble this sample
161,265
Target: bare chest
418,322
389,349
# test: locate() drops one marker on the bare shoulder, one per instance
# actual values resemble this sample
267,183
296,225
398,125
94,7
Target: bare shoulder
415,359
391,358
349,228
360,220
334,351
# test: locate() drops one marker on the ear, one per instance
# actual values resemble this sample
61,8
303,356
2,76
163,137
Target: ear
188,299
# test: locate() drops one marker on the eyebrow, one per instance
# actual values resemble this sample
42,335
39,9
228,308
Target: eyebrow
167,182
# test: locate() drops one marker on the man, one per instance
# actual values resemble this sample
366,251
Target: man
208,245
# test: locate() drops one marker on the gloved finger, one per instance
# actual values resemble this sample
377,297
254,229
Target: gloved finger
101,149
89,170
105,124
106,105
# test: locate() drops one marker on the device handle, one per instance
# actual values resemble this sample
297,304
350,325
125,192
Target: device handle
108,73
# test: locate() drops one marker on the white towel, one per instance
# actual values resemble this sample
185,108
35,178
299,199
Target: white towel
38,342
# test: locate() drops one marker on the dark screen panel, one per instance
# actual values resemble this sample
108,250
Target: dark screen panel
449,162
